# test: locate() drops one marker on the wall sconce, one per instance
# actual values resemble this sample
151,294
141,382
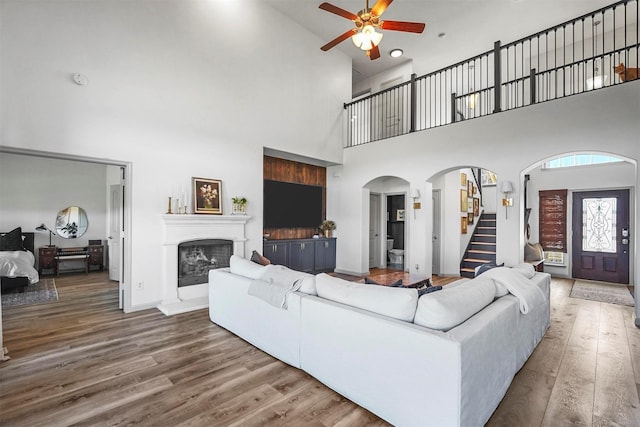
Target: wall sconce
415,195
43,227
507,188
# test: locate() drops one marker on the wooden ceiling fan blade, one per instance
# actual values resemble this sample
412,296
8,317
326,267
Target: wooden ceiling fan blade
338,40
380,6
374,53
409,27
338,11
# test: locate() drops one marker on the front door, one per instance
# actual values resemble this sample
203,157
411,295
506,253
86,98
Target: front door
601,236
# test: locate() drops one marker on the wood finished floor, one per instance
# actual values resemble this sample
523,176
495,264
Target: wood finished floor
80,361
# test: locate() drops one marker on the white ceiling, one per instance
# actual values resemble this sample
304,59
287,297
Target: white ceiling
471,27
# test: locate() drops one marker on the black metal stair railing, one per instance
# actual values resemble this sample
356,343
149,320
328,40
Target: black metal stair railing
570,58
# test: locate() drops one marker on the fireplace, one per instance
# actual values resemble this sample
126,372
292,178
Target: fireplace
197,257
190,231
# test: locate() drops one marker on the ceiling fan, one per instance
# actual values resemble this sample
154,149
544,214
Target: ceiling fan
366,21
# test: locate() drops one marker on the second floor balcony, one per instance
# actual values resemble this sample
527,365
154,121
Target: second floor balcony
590,52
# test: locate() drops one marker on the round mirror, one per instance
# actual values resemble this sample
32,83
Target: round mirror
71,222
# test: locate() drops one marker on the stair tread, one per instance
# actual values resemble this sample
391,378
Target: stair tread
483,261
480,251
483,243
470,270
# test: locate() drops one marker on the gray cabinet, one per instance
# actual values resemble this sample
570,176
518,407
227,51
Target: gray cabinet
308,255
301,256
325,255
277,252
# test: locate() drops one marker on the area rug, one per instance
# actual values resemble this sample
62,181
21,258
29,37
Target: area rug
603,292
38,293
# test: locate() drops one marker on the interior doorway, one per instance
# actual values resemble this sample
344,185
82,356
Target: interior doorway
601,236
395,231
374,230
121,172
437,230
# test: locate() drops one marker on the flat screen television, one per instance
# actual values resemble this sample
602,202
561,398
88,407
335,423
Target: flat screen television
289,205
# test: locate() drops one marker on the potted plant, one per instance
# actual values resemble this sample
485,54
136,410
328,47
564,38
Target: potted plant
239,205
327,226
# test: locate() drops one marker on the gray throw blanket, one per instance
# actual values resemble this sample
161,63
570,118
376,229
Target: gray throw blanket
276,284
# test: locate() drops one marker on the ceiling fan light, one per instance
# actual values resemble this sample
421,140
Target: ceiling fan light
376,38
358,39
367,38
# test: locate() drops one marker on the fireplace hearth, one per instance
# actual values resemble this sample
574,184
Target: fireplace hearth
197,257
190,232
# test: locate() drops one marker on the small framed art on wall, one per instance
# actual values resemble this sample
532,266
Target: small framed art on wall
207,196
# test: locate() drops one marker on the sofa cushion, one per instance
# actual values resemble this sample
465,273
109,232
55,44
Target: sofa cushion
246,268
398,303
308,285
526,269
448,308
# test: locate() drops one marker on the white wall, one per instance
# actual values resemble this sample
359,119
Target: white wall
33,190
606,176
509,144
374,83
176,90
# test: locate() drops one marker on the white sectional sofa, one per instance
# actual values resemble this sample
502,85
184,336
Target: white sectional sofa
445,359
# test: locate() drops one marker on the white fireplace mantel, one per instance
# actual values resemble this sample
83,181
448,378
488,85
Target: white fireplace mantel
180,228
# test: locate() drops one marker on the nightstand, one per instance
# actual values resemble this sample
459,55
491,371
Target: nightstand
96,256
47,259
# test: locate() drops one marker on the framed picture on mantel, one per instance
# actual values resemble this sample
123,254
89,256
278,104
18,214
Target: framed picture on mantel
207,196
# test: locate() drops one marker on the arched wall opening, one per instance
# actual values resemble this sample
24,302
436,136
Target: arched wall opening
608,176
458,198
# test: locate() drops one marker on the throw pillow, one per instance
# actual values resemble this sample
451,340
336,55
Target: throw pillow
396,284
259,259
12,241
533,252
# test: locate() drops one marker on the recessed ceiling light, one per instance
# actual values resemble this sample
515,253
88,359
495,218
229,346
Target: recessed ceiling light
396,53
442,35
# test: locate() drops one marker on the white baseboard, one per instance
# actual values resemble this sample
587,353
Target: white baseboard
184,306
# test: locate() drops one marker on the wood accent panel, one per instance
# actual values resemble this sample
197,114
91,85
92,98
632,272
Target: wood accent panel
553,220
277,169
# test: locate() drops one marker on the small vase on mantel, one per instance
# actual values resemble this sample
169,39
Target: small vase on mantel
239,205
327,233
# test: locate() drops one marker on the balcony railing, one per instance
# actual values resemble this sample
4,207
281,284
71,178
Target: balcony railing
571,58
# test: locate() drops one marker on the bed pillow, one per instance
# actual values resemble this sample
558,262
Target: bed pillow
12,241
399,303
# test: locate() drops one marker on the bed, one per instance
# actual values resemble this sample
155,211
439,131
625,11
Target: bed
17,260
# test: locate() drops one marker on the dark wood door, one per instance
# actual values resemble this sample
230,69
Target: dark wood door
601,236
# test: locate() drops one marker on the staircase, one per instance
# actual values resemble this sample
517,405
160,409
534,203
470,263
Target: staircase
482,247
